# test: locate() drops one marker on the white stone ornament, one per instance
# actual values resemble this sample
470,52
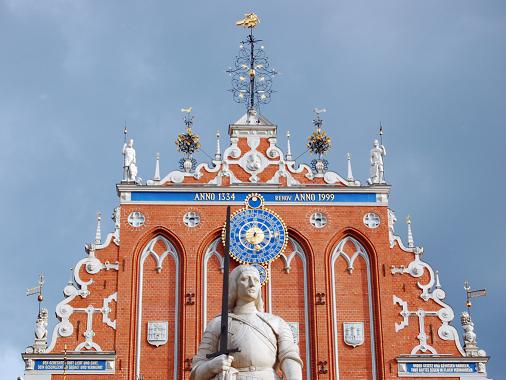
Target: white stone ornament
129,162
191,219
372,220
378,152
136,219
158,332
353,333
318,219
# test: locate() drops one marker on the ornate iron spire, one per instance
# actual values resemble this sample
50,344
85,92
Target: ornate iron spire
251,74
319,143
188,142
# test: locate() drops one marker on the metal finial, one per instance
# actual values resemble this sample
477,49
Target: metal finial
217,155
350,172
472,294
288,147
251,74
156,177
411,242
37,290
98,233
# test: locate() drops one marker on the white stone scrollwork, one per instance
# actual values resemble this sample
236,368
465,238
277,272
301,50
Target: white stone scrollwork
392,219
106,310
116,216
421,314
92,265
290,165
445,314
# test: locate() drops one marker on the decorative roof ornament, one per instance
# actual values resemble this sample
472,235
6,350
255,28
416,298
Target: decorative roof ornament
156,177
470,343
129,159
377,156
217,155
251,74
349,177
188,143
288,155
319,143
40,341
98,233
411,241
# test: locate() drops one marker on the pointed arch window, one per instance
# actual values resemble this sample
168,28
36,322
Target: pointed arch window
159,266
356,263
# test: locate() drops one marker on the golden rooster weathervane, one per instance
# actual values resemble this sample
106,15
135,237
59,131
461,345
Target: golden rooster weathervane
250,20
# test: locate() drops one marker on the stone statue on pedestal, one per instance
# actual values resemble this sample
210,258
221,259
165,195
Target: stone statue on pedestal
377,169
265,341
129,162
40,343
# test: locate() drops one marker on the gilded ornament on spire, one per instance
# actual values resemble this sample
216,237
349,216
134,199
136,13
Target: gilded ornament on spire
318,142
188,142
250,20
251,74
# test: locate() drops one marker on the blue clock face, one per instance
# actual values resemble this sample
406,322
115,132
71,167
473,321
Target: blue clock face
257,236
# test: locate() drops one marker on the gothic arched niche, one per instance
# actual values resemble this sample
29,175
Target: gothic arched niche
352,311
287,296
158,305
286,293
213,280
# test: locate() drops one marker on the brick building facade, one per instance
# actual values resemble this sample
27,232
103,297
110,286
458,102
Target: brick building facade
362,304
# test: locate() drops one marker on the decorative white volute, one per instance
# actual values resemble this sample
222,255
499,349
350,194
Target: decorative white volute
116,216
288,147
438,283
156,177
98,233
392,219
411,242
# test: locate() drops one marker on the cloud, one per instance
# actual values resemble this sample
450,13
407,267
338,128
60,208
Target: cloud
11,364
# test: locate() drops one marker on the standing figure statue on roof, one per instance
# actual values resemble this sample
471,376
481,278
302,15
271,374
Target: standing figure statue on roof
377,169
129,162
266,343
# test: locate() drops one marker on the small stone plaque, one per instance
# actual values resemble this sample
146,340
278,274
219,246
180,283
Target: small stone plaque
158,332
353,333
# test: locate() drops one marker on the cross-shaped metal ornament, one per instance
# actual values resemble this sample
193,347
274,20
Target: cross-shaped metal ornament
37,290
472,294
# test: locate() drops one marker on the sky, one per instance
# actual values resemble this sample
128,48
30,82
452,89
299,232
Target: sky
73,72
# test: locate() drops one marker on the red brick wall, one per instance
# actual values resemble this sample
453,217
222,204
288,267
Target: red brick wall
287,293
